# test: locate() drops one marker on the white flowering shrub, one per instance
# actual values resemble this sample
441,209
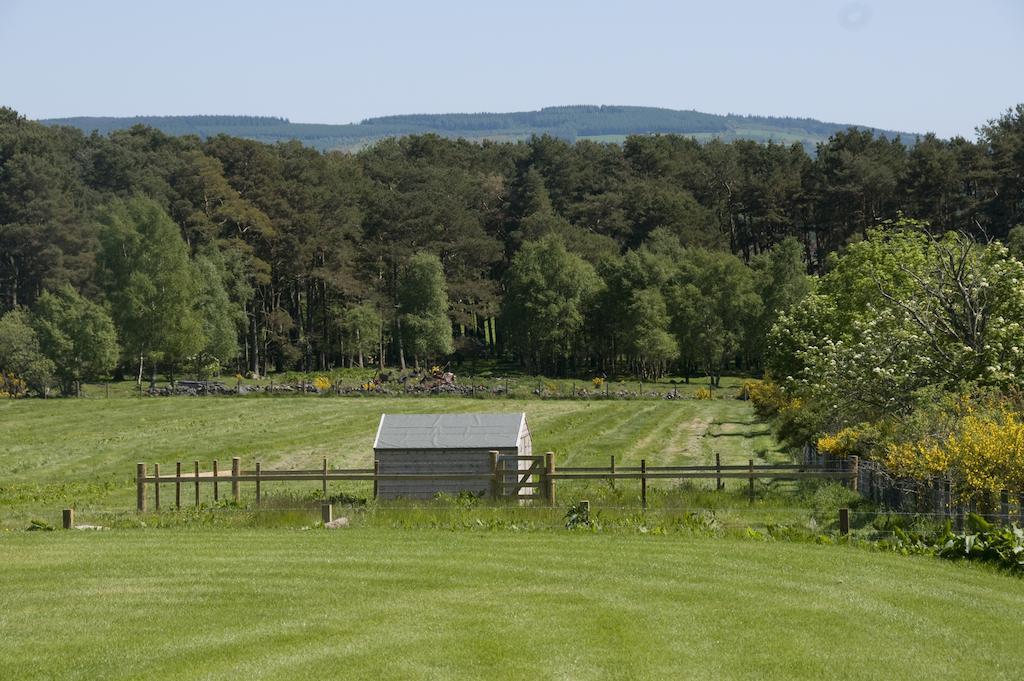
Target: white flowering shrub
898,313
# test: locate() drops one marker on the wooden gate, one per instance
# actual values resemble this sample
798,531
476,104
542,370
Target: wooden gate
519,475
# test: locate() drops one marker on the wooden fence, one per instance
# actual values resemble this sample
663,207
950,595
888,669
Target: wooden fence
936,496
503,482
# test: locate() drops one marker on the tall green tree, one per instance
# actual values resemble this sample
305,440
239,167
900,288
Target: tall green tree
652,343
20,351
148,278
713,302
780,278
423,308
548,291
77,335
361,329
220,317
630,319
855,178
1004,140
44,239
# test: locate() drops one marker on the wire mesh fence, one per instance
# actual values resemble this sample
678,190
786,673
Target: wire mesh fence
781,523
939,497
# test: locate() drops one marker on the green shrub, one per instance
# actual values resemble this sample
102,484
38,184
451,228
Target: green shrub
1001,546
578,516
981,541
826,500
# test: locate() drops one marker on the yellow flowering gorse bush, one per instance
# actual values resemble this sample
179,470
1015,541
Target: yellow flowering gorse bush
12,386
769,398
985,452
847,442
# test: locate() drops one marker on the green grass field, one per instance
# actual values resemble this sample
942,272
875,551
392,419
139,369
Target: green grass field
421,604
82,453
448,590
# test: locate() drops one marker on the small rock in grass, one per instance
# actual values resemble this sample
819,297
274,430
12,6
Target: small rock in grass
89,527
336,524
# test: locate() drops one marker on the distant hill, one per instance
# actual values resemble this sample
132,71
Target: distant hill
600,123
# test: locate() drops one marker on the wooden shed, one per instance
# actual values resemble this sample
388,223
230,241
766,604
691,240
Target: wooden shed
448,443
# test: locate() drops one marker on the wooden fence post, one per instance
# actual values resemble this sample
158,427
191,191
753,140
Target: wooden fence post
643,483
1004,507
259,495
376,482
855,471
750,479
585,509
216,485
494,474
1020,509
177,485
67,518
140,487
326,512
844,521
612,468
156,485
947,500
325,477
718,471
236,470
197,483
549,482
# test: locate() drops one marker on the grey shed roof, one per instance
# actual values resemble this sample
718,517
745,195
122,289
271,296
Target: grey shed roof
449,431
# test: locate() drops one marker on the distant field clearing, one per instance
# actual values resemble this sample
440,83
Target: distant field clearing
57,440
83,452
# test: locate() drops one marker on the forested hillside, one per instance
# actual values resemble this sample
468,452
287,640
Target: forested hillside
137,249
570,123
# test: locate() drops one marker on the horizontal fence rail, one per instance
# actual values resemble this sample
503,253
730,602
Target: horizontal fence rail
502,481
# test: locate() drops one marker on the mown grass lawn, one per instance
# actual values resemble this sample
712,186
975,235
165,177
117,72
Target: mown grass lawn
60,439
78,452
372,603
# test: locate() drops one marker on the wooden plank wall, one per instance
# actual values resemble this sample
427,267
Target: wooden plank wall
431,461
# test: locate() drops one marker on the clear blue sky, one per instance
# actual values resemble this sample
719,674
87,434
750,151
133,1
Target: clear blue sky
916,65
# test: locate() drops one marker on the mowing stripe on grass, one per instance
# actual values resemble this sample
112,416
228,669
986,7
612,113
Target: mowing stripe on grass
387,604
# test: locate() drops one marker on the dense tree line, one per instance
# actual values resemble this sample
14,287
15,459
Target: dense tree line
659,254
